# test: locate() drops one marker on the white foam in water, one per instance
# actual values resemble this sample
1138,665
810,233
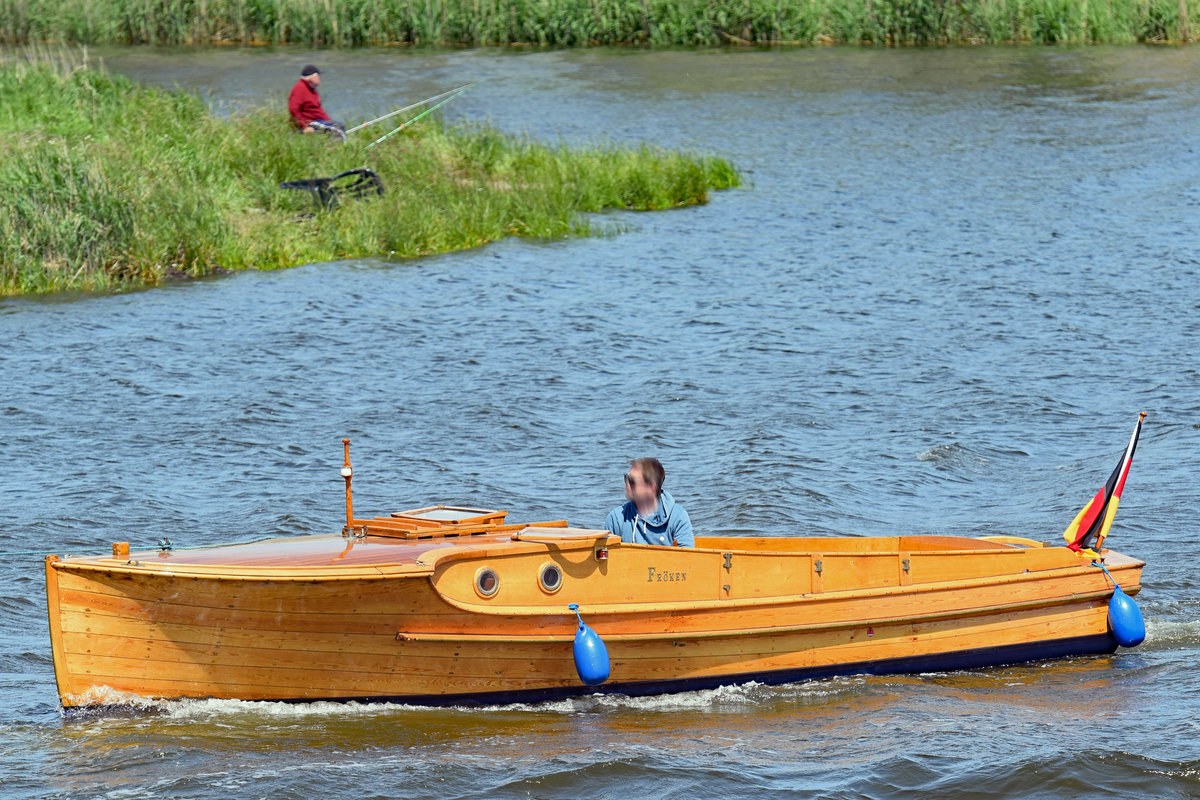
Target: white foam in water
746,694
211,707
107,696
192,709
1160,631
742,694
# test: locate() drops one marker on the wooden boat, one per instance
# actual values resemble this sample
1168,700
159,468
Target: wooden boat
446,605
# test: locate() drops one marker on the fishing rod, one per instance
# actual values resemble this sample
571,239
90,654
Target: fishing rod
391,114
426,112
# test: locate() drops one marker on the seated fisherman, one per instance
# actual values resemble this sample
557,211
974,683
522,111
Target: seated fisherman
304,104
651,515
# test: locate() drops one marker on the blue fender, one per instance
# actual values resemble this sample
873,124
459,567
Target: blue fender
591,656
1125,619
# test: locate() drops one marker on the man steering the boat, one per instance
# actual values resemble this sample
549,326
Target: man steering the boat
651,516
304,104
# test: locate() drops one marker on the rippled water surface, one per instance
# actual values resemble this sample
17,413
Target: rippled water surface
952,279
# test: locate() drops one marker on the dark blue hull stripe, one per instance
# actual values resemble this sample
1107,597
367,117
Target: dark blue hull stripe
939,662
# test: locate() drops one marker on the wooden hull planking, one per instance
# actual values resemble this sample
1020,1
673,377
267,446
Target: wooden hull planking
403,622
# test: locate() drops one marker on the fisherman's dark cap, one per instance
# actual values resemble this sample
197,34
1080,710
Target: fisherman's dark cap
309,70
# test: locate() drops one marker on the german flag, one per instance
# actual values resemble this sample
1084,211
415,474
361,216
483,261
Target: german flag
1086,532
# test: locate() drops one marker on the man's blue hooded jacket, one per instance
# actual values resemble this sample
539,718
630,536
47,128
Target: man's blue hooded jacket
669,524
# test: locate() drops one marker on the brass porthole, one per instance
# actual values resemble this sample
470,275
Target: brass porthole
487,582
550,577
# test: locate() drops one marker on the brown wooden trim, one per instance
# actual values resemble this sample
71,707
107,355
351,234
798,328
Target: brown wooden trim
54,611
856,623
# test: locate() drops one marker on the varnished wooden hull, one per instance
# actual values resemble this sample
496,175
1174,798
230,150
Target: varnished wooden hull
387,620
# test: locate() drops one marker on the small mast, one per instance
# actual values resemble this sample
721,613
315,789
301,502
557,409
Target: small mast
348,473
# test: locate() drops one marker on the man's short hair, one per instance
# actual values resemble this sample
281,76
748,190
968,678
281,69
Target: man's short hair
652,470
309,70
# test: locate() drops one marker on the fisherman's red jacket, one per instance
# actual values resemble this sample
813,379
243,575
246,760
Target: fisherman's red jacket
304,104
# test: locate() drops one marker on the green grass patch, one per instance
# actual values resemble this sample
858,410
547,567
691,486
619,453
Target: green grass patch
574,23
110,185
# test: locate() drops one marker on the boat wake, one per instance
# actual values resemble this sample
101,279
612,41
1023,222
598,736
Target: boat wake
1167,632
107,702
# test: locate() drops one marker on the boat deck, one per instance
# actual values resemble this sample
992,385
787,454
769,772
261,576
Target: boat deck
415,542
337,550
330,550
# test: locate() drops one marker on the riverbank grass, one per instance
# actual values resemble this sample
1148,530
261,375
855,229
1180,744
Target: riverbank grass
111,185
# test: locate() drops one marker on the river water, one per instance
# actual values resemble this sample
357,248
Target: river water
951,281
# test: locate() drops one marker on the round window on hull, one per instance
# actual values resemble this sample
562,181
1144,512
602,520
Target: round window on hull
487,582
550,577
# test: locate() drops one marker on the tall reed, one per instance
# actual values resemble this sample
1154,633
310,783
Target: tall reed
107,184
571,23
